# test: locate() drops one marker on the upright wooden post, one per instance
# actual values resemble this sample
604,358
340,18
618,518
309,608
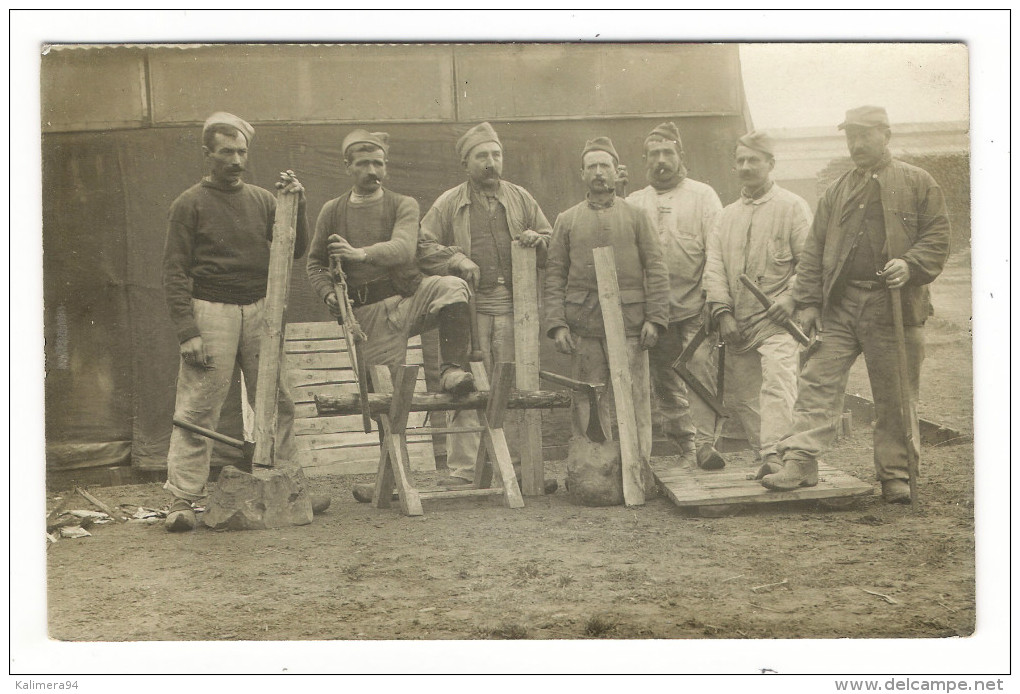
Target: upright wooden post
526,357
281,257
619,370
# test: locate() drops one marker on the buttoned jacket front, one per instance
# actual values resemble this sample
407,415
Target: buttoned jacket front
448,224
916,230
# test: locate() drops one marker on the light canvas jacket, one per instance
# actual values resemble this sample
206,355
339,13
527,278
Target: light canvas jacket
447,225
763,239
683,242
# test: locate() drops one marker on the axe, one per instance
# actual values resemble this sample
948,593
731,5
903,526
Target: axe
247,448
595,432
788,325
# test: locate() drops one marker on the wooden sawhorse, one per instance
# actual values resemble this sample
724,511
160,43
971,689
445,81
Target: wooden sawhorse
394,471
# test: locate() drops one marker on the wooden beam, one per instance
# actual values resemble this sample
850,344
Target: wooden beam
403,389
495,439
527,357
379,403
385,480
281,258
619,370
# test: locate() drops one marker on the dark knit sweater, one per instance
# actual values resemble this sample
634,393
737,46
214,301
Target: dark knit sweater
217,249
386,228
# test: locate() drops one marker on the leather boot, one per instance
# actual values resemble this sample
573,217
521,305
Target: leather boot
796,473
710,459
770,465
688,455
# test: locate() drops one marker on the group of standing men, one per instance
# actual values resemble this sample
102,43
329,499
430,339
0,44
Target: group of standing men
679,255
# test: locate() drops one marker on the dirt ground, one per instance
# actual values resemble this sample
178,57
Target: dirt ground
472,569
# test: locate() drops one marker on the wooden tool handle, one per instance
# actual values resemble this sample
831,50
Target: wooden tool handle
209,434
787,325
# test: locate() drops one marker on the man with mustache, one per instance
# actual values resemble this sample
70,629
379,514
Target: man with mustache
571,311
215,271
881,226
761,235
373,232
478,220
683,210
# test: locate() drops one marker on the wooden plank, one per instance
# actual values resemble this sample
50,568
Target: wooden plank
335,425
326,330
527,356
281,259
334,360
619,370
687,487
310,377
458,493
302,346
314,331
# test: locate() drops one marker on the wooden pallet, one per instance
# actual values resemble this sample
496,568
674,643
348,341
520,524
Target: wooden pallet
686,487
317,362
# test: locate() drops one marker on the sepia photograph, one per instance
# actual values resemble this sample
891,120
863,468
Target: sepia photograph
403,352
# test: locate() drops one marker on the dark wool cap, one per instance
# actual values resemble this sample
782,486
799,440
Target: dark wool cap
666,131
481,133
600,144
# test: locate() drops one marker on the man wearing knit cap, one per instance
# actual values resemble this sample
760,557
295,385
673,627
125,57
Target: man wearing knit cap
215,272
683,211
373,232
882,225
761,235
572,315
468,232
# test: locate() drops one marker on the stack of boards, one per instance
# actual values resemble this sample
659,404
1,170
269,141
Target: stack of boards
318,363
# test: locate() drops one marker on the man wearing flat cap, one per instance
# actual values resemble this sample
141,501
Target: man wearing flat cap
572,315
881,226
373,232
683,211
761,235
215,272
468,232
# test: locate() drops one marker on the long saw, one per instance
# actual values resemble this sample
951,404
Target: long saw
354,336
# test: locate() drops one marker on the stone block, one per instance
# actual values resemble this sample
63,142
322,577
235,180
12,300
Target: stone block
274,498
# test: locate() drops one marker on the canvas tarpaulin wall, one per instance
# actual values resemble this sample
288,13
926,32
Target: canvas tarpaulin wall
110,175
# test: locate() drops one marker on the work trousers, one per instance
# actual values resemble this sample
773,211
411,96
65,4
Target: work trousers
591,365
496,341
860,322
761,388
230,334
390,323
681,414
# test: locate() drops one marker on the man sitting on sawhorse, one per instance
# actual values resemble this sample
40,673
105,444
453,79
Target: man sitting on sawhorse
374,234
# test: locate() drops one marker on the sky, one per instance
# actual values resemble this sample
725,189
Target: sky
793,85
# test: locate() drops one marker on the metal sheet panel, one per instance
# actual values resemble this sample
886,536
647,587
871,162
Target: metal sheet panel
93,90
533,81
321,83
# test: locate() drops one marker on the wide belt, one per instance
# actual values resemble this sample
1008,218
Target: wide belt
866,285
371,292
